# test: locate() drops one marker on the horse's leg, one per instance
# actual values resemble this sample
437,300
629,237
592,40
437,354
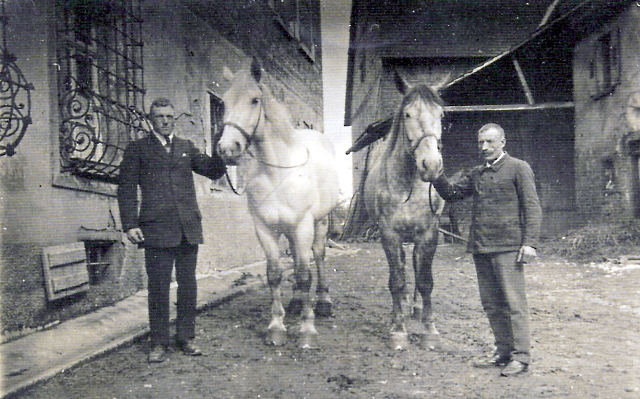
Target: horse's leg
323,305
416,305
398,337
301,240
416,313
276,332
294,308
423,255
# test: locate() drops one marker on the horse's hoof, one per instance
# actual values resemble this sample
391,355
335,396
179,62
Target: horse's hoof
294,308
431,329
417,313
307,341
399,341
276,338
323,309
430,341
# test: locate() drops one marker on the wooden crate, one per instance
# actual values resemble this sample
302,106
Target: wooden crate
65,270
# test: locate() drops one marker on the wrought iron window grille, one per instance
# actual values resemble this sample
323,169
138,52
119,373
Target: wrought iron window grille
15,96
100,85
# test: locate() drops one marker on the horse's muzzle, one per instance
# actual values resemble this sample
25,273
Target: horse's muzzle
231,145
430,169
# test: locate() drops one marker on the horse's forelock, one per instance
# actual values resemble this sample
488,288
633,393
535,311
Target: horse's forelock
424,93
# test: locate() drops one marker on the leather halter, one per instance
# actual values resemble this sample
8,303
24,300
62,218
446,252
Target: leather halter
413,155
248,137
415,147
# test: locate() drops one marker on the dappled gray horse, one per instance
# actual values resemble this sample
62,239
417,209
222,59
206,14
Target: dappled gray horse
398,195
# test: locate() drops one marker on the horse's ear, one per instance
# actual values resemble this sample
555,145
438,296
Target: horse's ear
256,70
401,84
226,72
443,82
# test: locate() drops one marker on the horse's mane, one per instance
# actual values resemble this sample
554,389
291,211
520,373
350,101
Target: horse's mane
275,112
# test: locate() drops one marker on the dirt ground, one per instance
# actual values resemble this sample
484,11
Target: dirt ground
585,322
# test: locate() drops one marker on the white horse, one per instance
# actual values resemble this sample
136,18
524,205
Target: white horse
291,191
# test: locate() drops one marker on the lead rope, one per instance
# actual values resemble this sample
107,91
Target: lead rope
226,173
430,200
280,166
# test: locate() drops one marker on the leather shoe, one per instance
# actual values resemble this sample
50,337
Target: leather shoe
157,354
514,368
189,348
496,360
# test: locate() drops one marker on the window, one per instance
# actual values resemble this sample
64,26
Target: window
299,20
100,84
604,73
97,260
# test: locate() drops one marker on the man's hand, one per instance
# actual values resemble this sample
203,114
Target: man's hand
135,235
526,254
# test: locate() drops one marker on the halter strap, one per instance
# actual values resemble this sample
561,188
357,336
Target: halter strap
247,136
415,147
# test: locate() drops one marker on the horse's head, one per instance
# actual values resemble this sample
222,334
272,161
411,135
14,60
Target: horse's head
420,117
243,112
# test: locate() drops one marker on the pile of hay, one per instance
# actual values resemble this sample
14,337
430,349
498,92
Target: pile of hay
597,243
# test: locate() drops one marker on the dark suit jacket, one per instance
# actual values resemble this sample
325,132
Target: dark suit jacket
506,209
168,207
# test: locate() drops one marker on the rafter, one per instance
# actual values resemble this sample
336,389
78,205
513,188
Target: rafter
508,107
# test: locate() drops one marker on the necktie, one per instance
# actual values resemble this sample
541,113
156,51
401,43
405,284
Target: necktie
167,145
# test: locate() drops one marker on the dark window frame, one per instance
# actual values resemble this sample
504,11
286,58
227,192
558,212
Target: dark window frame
605,66
297,18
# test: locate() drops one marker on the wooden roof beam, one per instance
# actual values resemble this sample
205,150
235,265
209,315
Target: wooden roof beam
523,81
547,14
508,107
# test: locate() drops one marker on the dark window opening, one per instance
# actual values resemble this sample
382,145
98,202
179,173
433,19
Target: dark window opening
97,260
216,120
604,68
216,116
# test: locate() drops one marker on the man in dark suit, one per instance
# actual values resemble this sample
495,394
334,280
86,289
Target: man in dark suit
166,222
505,226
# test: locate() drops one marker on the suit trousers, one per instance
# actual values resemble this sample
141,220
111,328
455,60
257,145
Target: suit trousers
159,265
501,283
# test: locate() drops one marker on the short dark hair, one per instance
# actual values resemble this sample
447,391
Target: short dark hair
492,126
160,102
